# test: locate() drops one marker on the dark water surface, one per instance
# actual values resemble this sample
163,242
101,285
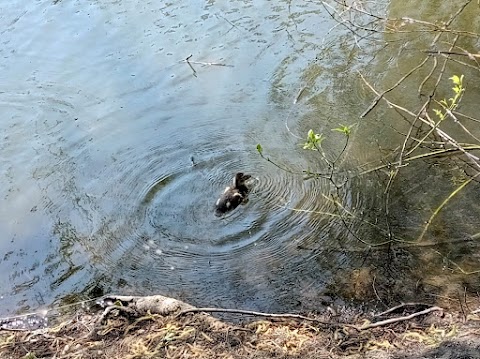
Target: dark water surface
100,117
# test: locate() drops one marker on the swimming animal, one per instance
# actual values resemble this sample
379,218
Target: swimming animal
233,195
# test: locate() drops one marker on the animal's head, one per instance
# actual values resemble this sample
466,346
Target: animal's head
240,179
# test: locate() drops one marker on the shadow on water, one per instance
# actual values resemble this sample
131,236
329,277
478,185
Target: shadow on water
101,195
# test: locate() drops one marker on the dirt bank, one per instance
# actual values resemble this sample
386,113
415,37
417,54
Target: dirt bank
160,327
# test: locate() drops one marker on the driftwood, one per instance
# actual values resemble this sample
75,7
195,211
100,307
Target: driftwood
154,304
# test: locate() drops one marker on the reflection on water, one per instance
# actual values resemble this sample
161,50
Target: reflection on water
101,117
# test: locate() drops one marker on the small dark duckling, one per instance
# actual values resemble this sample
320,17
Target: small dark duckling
233,195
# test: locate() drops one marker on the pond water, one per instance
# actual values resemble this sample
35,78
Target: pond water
102,115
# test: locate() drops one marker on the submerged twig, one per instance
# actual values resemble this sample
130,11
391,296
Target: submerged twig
443,204
468,54
463,271
299,94
187,60
189,63
380,95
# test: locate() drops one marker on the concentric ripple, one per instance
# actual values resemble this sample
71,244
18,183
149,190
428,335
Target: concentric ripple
168,237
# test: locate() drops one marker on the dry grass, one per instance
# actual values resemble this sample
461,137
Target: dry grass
197,336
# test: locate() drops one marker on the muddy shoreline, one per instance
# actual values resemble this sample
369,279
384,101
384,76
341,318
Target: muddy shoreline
162,327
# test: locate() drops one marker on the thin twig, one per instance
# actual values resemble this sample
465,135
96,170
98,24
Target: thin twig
375,290
459,11
209,63
398,83
299,94
466,116
463,271
434,67
276,165
403,305
457,121
438,52
443,204
424,156
250,312
189,63
399,319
